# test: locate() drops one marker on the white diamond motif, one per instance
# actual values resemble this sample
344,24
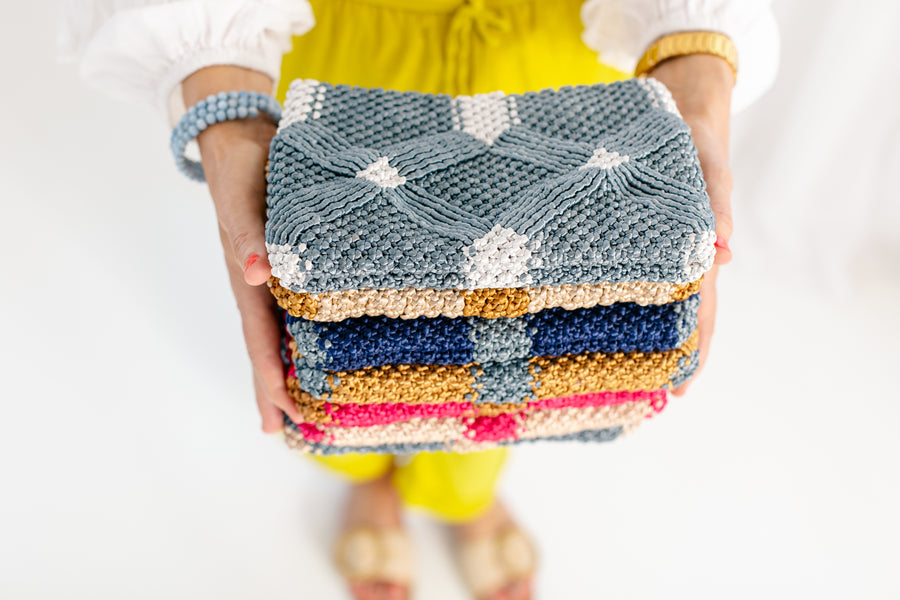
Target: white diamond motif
484,116
286,264
660,96
303,96
604,159
498,259
383,174
700,255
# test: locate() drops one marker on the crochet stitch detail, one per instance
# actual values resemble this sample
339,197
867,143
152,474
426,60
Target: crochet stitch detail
410,303
378,341
542,377
372,188
461,273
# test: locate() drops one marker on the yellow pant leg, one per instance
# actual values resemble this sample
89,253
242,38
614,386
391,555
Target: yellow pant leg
358,468
452,487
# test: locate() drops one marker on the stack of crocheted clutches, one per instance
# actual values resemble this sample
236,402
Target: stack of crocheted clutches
459,273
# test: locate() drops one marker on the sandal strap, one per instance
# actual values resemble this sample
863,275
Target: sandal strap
369,554
517,552
479,566
490,562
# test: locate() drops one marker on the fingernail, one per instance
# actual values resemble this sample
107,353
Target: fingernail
253,258
721,243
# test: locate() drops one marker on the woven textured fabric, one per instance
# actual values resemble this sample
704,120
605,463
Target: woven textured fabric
295,438
378,341
370,188
489,303
330,414
516,381
478,433
458,273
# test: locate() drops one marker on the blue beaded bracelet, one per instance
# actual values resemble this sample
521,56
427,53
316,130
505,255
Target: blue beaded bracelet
224,106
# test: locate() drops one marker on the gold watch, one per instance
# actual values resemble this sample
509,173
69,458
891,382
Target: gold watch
688,42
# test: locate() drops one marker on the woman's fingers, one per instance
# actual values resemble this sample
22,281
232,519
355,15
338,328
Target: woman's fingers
263,345
717,174
701,85
241,208
262,334
234,160
718,186
234,155
706,322
713,157
271,415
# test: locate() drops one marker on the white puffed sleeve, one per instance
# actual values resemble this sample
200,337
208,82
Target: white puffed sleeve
141,50
620,31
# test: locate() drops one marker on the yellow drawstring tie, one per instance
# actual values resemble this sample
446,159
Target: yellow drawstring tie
473,15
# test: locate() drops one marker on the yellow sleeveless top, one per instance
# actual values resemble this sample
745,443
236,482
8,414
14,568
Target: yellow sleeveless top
446,46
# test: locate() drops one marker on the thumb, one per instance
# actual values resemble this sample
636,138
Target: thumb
272,417
240,198
234,155
711,141
717,173
245,235
719,189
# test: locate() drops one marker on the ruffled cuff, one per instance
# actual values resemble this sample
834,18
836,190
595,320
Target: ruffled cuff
621,30
142,54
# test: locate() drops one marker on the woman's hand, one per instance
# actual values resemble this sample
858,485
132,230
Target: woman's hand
701,85
234,155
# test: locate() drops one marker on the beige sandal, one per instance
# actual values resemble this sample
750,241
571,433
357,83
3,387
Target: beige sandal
491,562
375,555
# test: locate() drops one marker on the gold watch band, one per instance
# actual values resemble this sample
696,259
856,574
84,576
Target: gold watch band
688,42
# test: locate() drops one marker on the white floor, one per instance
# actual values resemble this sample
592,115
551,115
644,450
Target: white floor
131,465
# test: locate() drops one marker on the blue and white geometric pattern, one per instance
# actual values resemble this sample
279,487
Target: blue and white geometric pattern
379,189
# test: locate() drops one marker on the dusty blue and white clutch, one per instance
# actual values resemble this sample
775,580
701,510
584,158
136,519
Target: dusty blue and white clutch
380,189
403,205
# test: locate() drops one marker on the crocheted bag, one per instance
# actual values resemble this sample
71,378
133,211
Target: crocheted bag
462,272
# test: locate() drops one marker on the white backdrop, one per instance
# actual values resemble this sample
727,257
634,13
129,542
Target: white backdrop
816,160
131,465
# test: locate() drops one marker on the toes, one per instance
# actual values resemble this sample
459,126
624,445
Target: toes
499,595
519,590
362,591
393,591
378,591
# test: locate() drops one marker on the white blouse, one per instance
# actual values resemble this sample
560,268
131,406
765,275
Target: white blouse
141,50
